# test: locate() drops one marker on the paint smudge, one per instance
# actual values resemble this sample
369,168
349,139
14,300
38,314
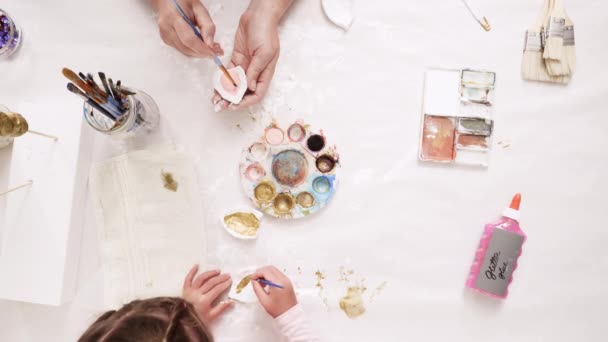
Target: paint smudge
274,136
255,172
352,302
305,200
283,203
438,138
258,151
345,274
315,143
243,223
264,192
325,163
321,184
475,126
320,277
169,182
378,290
290,168
476,141
296,132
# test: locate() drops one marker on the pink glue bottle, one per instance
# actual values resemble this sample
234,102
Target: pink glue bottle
497,254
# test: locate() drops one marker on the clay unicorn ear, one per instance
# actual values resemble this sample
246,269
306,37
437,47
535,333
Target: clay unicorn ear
226,89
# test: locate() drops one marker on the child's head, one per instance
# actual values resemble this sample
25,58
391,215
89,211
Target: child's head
157,319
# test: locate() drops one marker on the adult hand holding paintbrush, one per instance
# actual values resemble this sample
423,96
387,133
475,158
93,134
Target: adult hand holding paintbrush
176,32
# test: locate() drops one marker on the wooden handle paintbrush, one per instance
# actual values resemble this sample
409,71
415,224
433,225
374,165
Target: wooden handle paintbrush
216,59
72,76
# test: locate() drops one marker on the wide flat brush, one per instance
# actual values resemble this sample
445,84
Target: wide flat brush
194,28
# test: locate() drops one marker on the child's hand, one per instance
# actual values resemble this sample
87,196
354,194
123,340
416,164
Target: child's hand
204,290
176,32
276,301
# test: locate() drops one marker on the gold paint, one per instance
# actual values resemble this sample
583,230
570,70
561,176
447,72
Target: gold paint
169,182
12,125
243,283
320,276
283,203
352,302
264,192
243,223
378,290
345,274
305,200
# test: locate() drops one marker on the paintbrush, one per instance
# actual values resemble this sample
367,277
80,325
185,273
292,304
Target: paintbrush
70,75
483,22
216,59
72,88
268,282
104,82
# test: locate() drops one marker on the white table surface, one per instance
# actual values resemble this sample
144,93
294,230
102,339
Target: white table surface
393,219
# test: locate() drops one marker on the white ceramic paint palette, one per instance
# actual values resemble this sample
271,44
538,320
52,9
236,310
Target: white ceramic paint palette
289,172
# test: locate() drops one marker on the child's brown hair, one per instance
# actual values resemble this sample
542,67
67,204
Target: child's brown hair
162,319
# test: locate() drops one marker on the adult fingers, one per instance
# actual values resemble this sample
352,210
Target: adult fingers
239,58
259,63
170,37
212,282
203,277
190,276
217,290
217,48
217,310
204,22
189,39
221,106
262,85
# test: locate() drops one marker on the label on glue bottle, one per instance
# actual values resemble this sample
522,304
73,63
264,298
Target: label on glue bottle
498,263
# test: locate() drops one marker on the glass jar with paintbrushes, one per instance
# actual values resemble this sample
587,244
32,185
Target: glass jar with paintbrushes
111,108
10,35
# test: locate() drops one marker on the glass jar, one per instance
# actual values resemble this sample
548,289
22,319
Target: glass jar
10,35
141,117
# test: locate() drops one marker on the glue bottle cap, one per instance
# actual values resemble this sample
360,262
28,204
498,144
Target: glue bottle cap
513,210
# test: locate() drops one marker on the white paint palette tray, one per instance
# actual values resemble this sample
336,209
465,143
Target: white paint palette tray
40,224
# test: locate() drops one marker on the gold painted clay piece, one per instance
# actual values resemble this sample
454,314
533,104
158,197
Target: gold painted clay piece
264,192
243,223
243,283
352,303
305,200
169,182
283,203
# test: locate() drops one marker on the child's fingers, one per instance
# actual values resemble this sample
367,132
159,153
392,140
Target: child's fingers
217,310
221,106
259,291
190,276
209,284
203,277
217,290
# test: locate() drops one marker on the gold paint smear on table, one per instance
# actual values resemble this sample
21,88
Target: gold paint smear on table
352,302
243,223
169,182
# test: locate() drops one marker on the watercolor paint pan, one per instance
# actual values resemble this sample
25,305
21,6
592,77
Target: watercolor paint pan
457,129
290,171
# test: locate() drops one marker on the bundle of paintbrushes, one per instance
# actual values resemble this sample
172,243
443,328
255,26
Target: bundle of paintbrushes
549,52
111,101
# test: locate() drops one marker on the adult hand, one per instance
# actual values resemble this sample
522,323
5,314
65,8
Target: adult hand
274,300
203,290
256,49
176,32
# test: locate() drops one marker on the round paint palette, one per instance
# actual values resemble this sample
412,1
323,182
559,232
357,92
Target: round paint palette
289,172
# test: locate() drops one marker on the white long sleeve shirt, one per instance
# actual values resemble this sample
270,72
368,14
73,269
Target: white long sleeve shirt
294,325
